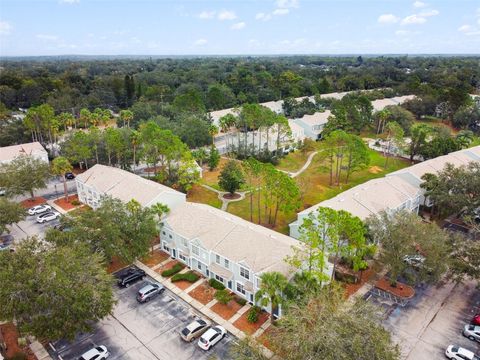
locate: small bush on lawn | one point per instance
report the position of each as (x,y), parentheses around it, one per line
(223,296)
(214,283)
(188,276)
(175,269)
(75,202)
(252,316)
(18,356)
(240,301)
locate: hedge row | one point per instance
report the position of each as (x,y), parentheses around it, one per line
(216,284)
(175,269)
(188,276)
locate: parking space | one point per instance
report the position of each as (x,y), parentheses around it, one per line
(145,331)
(433,320)
(29,227)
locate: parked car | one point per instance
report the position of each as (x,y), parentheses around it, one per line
(211,337)
(132,275)
(2,192)
(475,320)
(97,353)
(6,242)
(459,353)
(472,332)
(415,261)
(194,330)
(39,209)
(69,176)
(49,216)
(149,291)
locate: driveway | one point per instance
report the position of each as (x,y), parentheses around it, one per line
(145,331)
(433,320)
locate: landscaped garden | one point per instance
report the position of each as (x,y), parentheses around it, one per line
(154,258)
(203,293)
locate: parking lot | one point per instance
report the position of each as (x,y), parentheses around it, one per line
(29,227)
(433,320)
(144,331)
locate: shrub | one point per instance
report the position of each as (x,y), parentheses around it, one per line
(175,269)
(240,300)
(75,202)
(216,284)
(223,296)
(252,316)
(188,276)
(18,356)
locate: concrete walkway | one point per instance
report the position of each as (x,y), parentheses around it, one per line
(304,167)
(224,201)
(39,351)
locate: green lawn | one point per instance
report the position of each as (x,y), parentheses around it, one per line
(199,194)
(314,185)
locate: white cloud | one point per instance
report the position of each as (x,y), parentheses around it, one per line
(419,4)
(287,4)
(263,16)
(47,37)
(5,28)
(206,15)
(414,19)
(238,26)
(226,15)
(387,19)
(200,42)
(429,13)
(282,11)
(465,28)
(68,1)
(401,32)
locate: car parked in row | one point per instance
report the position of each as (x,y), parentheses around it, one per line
(475,320)
(472,332)
(149,291)
(6,242)
(97,353)
(459,353)
(194,330)
(46,217)
(211,337)
(39,209)
(69,176)
(130,276)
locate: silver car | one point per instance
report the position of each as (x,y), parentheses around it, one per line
(39,209)
(149,291)
(472,332)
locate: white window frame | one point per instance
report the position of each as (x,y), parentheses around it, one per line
(245,271)
(219,278)
(226,263)
(195,250)
(217,259)
(242,288)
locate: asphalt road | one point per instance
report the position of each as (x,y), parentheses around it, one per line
(147,331)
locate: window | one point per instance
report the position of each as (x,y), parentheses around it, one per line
(184,242)
(170,236)
(164,233)
(227,263)
(217,259)
(244,273)
(199,266)
(182,257)
(195,250)
(240,288)
(219,278)
(166,248)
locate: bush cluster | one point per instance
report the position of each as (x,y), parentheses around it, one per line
(188,276)
(214,283)
(175,269)
(252,316)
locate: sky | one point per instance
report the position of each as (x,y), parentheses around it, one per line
(226,27)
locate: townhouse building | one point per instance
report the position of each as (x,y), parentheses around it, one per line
(33,149)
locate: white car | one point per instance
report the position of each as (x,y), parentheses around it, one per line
(472,332)
(39,209)
(458,353)
(97,353)
(211,337)
(415,261)
(49,216)
(2,192)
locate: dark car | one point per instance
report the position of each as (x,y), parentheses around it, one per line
(130,276)
(69,176)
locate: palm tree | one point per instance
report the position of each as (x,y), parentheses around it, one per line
(464,138)
(213,130)
(126,116)
(271,288)
(134,139)
(159,209)
(60,166)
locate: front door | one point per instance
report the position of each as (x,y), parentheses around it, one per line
(229,285)
(174,253)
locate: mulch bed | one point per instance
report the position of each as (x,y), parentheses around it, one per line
(155,258)
(250,328)
(351,289)
(10,336)
(203,293)
(229,196)
(185,284)
(115,265)
(167,266)
(67,205)
(268,334)
(33,202)
(401,290)
(228,310)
